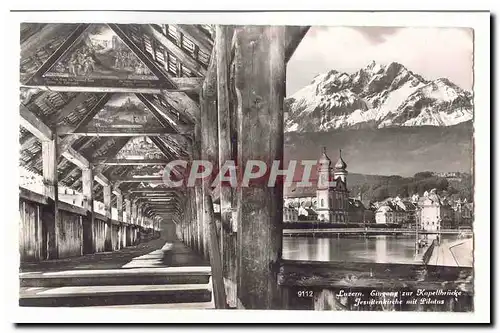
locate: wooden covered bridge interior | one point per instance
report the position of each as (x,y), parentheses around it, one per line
(104,107)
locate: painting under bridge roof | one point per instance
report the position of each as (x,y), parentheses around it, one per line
(95,55)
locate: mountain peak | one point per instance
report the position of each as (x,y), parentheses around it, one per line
(376,96)
(373,66)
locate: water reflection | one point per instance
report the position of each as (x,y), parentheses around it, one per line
(380,249)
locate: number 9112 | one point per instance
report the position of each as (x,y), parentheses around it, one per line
(305,293)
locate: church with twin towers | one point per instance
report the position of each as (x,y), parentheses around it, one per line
(331,193)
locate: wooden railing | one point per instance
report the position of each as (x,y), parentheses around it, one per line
(76,234)
(375,286)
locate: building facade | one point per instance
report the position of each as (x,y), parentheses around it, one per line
(332,196)
(435,212)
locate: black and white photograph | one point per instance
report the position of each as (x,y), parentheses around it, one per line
(223,166)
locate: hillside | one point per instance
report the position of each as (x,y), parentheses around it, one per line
(390,151)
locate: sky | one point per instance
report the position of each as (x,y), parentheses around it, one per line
(431,52)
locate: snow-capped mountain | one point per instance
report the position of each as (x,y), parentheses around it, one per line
(376,96)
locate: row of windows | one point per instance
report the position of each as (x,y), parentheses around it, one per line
(340,199)
(333,217)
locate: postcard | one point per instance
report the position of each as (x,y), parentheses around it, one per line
(204,162)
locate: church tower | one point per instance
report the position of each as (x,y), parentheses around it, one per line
(341,169)
(324,190)
(342,194)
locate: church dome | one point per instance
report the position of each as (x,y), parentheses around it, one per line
(341,164)
(324,159)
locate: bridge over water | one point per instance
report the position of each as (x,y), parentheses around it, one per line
(371,231)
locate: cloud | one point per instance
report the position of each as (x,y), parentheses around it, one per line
(376,35)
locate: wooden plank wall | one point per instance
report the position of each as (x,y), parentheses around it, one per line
(99,232)
(115,230)
(76,234)
(70,235)
(31,240)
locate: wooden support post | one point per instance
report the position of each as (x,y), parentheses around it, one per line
(197,192)
(223,37)
(215,257)
(260,82)
(119,206)
(88,204)
(190,218)
(106,193)
(209,131)
(133,215)
(128,210)
(51,219)
(194,218)
(141,215)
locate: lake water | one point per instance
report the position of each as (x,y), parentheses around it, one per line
(379,249)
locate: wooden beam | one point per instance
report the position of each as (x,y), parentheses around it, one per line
(172,192)
(162,76)
(66,143)
(37,78)
(223,37)
(204,42)
(129,179)
(183,84)
(101,179)
(183,104)
(28,142)
(209,135)
(310,274)
(108,161)
(126,132)
(178,52)
(152,190)
(215,255)
(38,39)
(51,219)
(88,204)
(108,242)
(76,158)
(128,210)
(260,82)
(68,108)
(166,119)
(133,215)
(119,204)
(87,118)
(33,124)
(160,113)
(170,199)
(294,35)
(164,149)
(226,131)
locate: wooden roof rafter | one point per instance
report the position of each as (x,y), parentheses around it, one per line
(204,41)
(87,118)
(36,78)
(181,54)
(166,118)
(44,133)
(119,30)
(165,82)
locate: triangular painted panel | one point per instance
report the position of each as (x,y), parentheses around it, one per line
(98,57)
(140,147)
(123,113)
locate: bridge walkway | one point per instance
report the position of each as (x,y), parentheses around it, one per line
(160,273)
